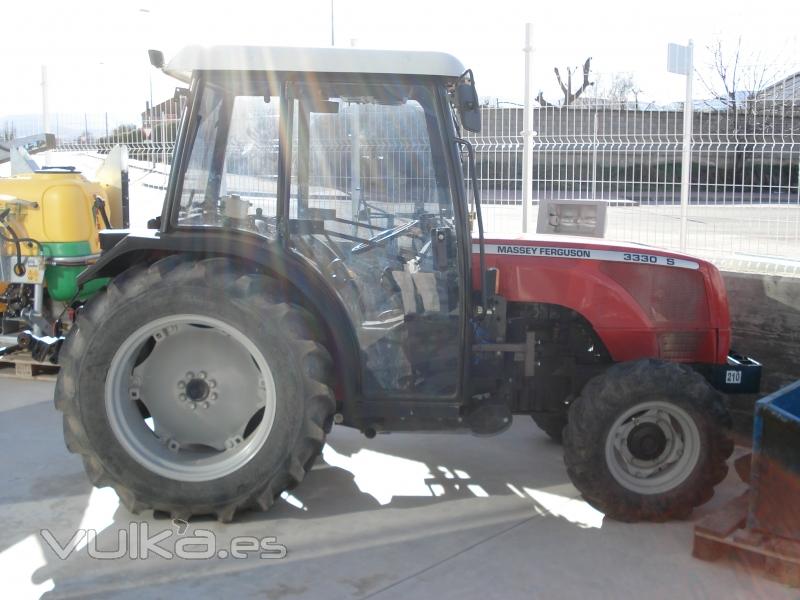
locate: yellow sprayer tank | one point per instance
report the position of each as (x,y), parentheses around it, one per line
(56,208)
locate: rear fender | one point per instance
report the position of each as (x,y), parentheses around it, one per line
(306,285)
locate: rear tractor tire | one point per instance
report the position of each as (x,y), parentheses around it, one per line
(647,441)
(192,387)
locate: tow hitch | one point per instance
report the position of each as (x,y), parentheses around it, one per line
(42,348)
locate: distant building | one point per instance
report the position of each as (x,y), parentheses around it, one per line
(785,92)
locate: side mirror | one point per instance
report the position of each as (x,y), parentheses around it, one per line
(469,107)
(156,58)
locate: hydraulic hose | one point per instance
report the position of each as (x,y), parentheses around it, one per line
(99,208)
(19,268)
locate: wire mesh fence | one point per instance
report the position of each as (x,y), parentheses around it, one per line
(744,193)
(745,174)
(149,135)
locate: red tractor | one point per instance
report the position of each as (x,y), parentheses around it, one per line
(314,264)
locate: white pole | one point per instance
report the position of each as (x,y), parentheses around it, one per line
(686,160)
(527,134)
(151,116)
(45,108)
(355,155)
(594,156)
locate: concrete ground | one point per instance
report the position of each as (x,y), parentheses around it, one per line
(400,516)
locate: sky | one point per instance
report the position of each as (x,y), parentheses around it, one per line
(96,51)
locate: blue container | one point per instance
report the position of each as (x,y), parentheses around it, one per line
(775,472)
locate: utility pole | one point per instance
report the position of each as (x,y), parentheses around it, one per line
(686,160)
(680,60)
(45,107)
(527,134)
(355,158)
(333,38)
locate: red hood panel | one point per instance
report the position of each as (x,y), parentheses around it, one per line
(625,307)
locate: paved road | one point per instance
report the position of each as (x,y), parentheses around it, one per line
(400,516)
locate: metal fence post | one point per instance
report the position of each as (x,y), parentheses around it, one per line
(686,159)
(355,161)
(594,155)
(527,134)
(45,108)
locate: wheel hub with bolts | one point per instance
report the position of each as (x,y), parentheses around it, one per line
(197,390)
(647,441)
(652,447)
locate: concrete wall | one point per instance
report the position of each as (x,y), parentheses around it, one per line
(576,125)
(765,316)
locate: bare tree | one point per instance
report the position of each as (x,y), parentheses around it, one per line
(736,79)
(566,88)
(622,87)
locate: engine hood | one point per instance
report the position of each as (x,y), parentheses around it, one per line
(642,301)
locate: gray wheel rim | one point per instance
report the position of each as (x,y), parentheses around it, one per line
(204,384)
(673,465)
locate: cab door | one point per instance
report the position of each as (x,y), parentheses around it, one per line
(372,206)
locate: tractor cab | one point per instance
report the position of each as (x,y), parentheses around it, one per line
(345,164)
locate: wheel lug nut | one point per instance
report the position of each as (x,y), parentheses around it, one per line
(202,374)
(182,397)
(181,385)
(206,404)
(214,396)
(193,406)
(190,375)
(212,383)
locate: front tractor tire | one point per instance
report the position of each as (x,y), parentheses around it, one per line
(647,441)
(192,387)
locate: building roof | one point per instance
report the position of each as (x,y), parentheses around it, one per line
(785,90)
(324,60)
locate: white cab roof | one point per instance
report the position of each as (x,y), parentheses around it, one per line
(324,60)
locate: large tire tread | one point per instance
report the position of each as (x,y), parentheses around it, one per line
(296,325)
(614,391)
